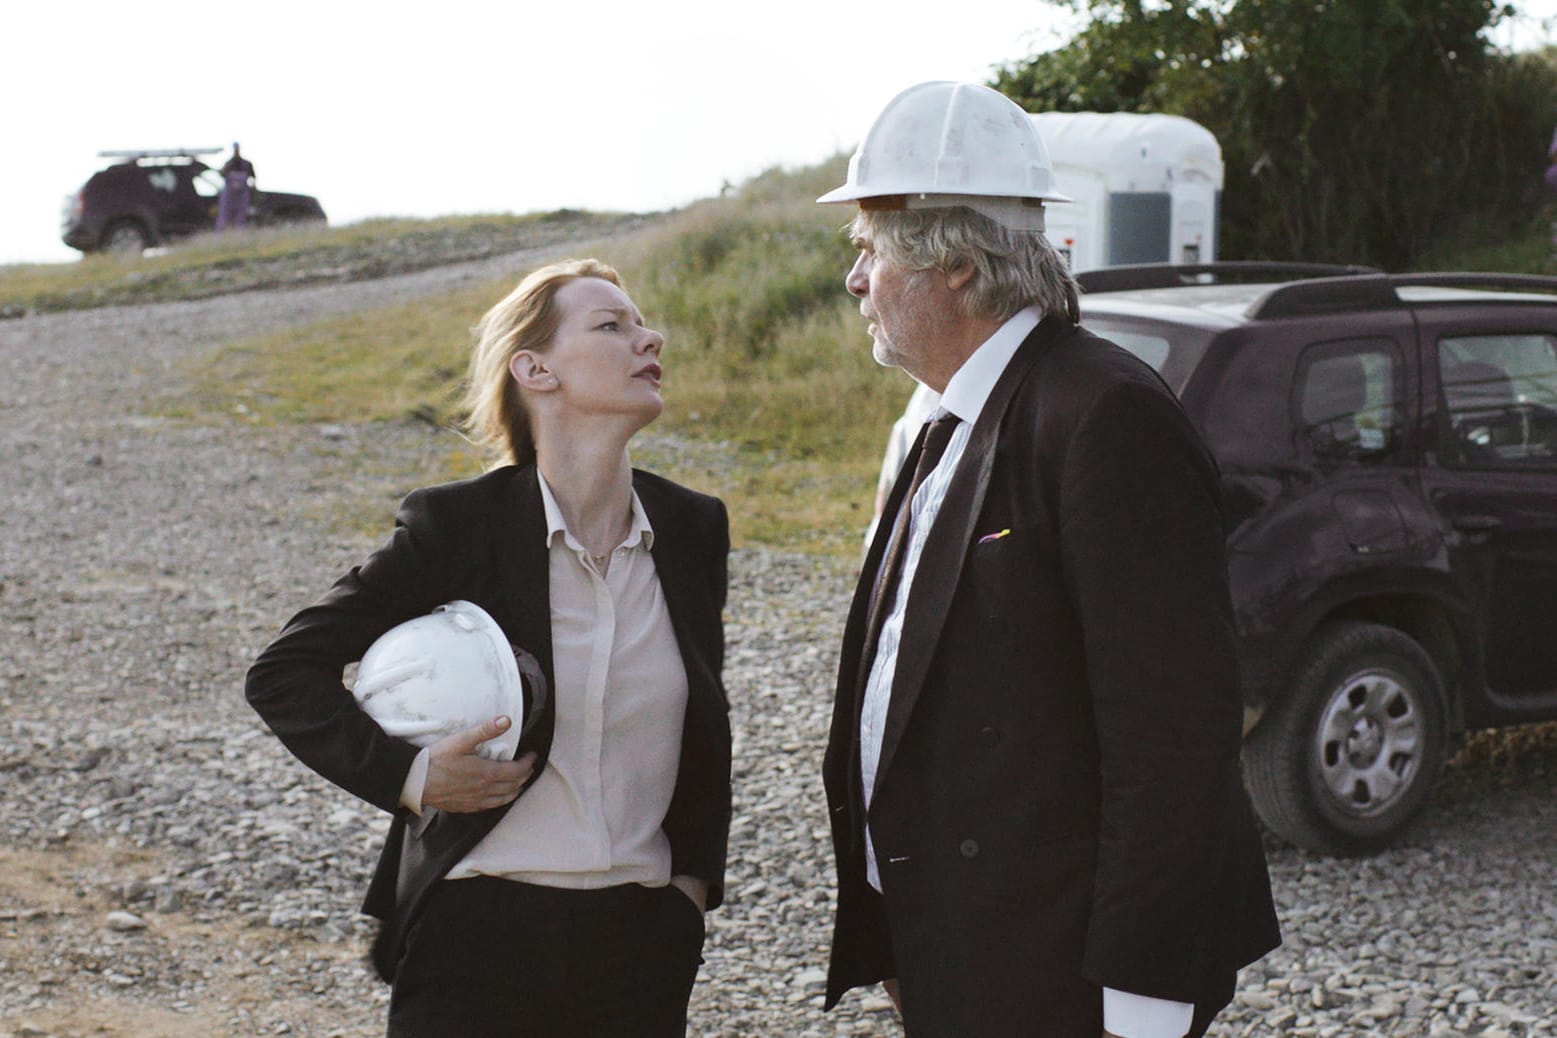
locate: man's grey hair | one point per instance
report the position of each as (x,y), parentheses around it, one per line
(1011,269)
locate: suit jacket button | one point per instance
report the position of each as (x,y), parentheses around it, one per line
(969,848)
(988,736)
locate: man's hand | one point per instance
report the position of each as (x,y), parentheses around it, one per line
(460,781)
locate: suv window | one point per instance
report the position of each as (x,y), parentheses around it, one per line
(1153,349)
(208,183)
(1498,401)
(1173,350)
(162,178)
(1348,400)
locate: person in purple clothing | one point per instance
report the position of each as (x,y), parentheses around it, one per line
(232,210)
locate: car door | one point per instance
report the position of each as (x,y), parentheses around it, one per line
(1314,435)
(1314,442)
(186,210)
(1492,396)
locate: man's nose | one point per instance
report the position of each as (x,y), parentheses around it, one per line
(858,279)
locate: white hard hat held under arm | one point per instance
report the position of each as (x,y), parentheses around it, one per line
(446,672)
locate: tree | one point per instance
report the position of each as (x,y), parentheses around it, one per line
(1351,130)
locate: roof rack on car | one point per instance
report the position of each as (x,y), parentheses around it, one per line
(1477,279)
(1373,291)
(1377,291)
(1175,275)
(158,153)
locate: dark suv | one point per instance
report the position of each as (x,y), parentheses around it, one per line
(1388,446)
(153,197)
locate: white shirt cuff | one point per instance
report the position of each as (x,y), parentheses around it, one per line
(415,782)
(1140,1016)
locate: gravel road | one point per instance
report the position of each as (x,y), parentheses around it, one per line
(167,870)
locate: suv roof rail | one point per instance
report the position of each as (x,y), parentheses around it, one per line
(1176,275)
(1477,279)
(158,153)
(1370,291)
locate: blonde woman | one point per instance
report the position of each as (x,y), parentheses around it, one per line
(562,892)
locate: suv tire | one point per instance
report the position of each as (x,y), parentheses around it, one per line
(126,238)
(1350,756)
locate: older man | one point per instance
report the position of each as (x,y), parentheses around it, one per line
(1033,765)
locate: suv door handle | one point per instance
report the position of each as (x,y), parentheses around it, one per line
(1476,523)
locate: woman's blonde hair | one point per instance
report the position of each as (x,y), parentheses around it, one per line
(526,319)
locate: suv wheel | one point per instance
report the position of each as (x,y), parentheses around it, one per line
(126,238)
(1344,763)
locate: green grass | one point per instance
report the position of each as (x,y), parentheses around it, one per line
(772,399)
(388,364)
(767,353)
(207,264)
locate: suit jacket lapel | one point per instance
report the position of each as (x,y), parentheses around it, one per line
(522,606)
(946,546)
(842,758)
(678,576)
(525,569)
(875,556)
(870,569)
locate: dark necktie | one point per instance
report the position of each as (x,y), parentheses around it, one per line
(936,438)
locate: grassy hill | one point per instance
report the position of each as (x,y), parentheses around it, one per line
(211,264)
(772,399)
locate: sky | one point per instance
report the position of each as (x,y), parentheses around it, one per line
(469,106)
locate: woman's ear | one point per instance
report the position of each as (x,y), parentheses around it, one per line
(531,373)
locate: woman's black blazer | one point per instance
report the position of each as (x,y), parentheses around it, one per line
(484,540)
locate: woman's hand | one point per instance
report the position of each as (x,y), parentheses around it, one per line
(695,889)
(460,781)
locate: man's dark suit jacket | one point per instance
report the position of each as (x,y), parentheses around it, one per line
(1058,806)
(484,540)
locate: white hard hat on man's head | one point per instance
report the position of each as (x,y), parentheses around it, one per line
(943,144)
(448,671)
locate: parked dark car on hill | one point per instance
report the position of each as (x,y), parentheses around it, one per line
(1388,446)
(153,197)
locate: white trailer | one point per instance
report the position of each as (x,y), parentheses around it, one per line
(1147,188)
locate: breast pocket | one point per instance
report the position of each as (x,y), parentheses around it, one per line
(1009,569)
